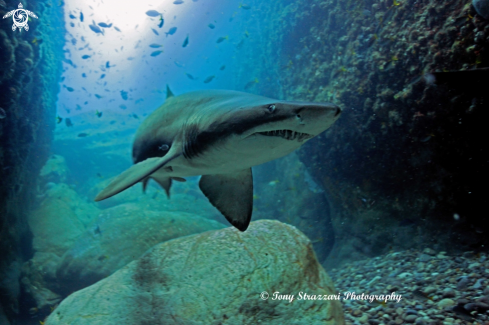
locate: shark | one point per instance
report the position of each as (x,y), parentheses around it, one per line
(219,135)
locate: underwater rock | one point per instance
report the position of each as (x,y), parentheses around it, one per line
(210,278)
(38,274)
(119,236)
(55,170)
(482,7)
(3,317)
(60,220)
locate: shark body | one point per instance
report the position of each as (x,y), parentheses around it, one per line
(220,134)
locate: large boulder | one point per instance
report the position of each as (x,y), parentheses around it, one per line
(212,278)
(120,235)
(60,219)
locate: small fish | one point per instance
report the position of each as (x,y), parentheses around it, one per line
(72,25)
(189,76)
(155,46)
(70,89)
(156,53)
(177,2)
(222,67)
(178,64)
(221,39)
(209,79)
(81,16)
(246,34)
(135,116)
(78,107)
(105,25)
(171,31)
(98,114)
(102,76)
(155,31)
(124,94)
(98,96)
(3,4)
(59,119)
(153,13)
(130,58)
(245,7)
(82,135)
(84,75)
(97,230)
(72,16)
(123,106)
(211,26)
(185,43)
(3,114)
(162,21)
(68,122)
(96,29)
(117,29)
(107,65)
(86,56)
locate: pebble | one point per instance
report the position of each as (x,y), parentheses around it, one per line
(429,290)
(447,302)
(482,306)
(410,318)
(478,284)
(474,265)
(448,293)
(429,251)
(462,283)
(425,257)
(446,282)
(356,313)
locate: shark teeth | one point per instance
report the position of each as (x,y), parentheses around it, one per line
(287,134)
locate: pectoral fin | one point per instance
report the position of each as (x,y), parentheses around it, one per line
(133,175)
(232,195)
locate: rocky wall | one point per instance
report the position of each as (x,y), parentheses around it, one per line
(404,167)
(30,67)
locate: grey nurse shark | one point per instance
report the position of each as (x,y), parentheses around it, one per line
(219,134)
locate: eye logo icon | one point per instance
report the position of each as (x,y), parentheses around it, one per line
(20,17)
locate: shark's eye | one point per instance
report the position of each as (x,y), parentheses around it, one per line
(164,147)
(271,108)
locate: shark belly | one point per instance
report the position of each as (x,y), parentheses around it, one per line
(231,156)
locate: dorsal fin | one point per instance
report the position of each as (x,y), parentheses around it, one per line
(169,93)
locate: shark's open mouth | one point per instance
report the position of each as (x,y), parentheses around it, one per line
(287,134)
